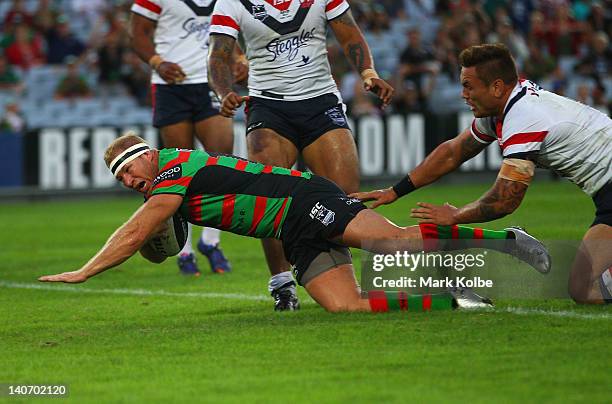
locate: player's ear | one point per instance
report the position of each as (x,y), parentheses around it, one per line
(498,87)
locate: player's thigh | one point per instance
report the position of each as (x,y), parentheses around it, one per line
(593,257)
(178,134)
(334,155)
(337,290)
(371,231)
(216,134)
(267,146)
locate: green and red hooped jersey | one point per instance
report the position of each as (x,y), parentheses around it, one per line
(228,192)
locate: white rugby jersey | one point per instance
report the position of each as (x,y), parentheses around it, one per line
(568,137)
(181,34)
(286,44)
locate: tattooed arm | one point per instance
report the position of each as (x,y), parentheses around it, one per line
(220,56)
(358,53)
(499,201)
(445,158)
(220,76)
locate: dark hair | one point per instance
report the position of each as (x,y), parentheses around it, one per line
(492,61)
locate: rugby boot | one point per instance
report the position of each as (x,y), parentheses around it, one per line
(285,297)
(218,263)
(529,249)
(187,265)
(466,298)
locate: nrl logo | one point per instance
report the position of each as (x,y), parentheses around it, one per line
(306,3)
(259,12)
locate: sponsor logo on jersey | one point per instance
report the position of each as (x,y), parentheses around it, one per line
(305,61)
(336,115)
(322,214)
(172,173)
(289,47)
(259,12)
(200,29)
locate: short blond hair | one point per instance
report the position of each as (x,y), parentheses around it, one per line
(128,139)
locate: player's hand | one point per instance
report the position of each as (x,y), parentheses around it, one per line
(441,215)
(171,72)
(230,103)
(66,277)
(380,197)
(381,88)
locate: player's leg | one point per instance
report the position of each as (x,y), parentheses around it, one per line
(216,134)
(590,280)
(268,147)
(334,156)
(372,231)
(336,290)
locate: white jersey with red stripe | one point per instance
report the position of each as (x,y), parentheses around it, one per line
(285,44)
(181,34)
(566,136)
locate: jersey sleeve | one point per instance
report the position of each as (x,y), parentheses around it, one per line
(150,9)
(225,19)
(177,169)
(335,8)
(523,130)
(482,130)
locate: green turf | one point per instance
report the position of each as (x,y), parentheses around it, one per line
(190,347)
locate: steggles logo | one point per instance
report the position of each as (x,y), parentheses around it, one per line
(289,46)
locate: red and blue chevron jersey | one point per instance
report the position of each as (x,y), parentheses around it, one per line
(227,192)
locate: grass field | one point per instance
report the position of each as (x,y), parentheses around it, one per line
(141,332)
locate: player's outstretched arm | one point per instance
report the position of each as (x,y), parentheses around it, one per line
(220,76)
(502,199)
(126,240)
(357,51)
(445,158)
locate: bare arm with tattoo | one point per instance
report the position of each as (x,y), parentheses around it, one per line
(445,158)
(220,75)
(358,53)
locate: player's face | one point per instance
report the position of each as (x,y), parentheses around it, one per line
(138,174)
(477,95)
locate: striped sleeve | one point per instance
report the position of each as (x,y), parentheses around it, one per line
(523,130)
(150,9)
(225,19)
(481,131)
(335,8)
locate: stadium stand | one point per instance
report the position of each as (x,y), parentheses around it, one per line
(573,35)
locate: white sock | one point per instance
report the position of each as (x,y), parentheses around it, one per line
(188,249)
(210,236)
(278,280)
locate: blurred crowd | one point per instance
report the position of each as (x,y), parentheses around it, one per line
(562,45)
(83,44)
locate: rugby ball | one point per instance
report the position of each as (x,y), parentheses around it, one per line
(170,240)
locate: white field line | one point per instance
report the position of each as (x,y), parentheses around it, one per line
(558,313)
(131,292)
(240,296)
